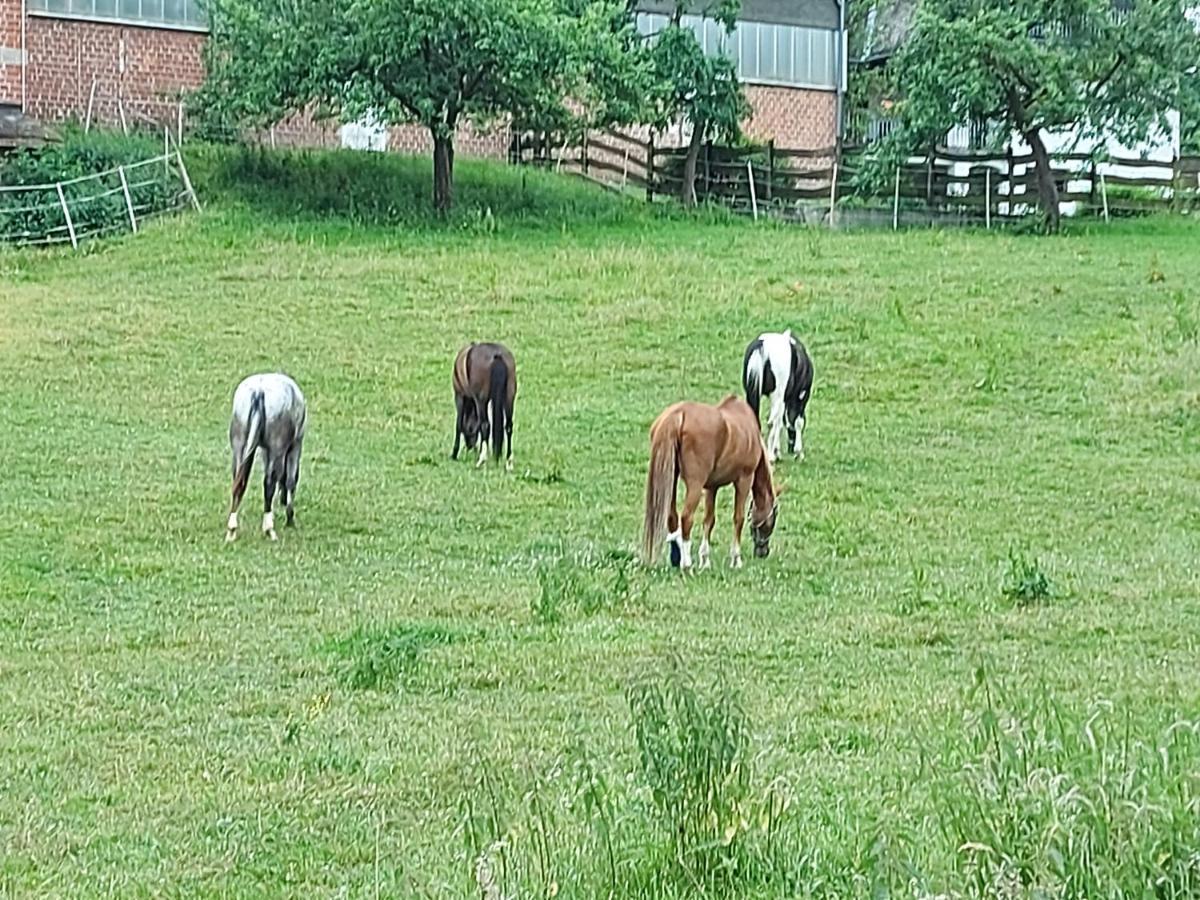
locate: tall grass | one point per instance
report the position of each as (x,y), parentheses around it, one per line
(1046,801)
(394,189)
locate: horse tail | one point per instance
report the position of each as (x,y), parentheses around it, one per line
(256,420)
(660,481)
(498,391)
(752,375)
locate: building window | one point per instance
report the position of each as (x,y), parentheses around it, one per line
(172,13)
(793,55)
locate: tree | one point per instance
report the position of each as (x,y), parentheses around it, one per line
(1033,66)
(439,63)
(699,89)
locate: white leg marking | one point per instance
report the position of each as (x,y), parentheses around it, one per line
(269,525)
(775,420)
(231,533)
(482,454)
(800,439)
(508,464)
(685,554)
(735,557)
(703,559)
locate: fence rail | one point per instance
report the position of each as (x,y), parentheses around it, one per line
(115,200)
(786,181)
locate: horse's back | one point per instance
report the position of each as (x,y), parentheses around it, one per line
(473,366)
(281,396)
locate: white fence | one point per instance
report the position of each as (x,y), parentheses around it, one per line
(116,200)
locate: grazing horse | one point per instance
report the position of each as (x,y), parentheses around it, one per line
(484,374)
(778,366)
(708,447)
(268,412)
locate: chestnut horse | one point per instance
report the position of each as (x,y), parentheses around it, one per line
(484,374)
(708,447)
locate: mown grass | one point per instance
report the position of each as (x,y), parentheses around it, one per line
(967,668)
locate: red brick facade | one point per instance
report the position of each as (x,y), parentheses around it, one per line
(141,73)
(10,51)
(796,118)
(138,72)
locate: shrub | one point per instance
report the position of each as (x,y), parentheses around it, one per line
(1027,584)
(31,215)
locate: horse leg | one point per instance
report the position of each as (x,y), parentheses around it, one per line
(775,420)
(270,481)
(485,431)
(691,500)
(673,548)
(240,479)
(710,519)
(291,477)
(458,425)
(508,433)
(741,490)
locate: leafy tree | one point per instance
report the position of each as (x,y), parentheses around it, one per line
(1034,66)
(702,90)
(439,63)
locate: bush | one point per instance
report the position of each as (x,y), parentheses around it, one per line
(30,216)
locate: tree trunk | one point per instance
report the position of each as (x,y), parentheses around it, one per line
(443,173)
(1047,189)
(687,192)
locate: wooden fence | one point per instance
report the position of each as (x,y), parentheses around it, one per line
(815,184)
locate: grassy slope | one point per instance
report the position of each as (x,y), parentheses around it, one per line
(161,727)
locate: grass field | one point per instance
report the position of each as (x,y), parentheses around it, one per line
(440,678)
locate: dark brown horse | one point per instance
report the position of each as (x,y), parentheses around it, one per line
(484,374)
(708,447)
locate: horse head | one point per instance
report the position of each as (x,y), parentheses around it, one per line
(763,524)
(470,426)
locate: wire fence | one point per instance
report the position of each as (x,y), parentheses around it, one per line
(121,199)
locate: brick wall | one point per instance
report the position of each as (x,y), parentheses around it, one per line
(10,51)
(140,71)
(794,117)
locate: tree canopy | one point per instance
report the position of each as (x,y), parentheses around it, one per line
(1036,66)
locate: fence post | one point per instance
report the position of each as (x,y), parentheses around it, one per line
(625,170)
(833,193)
(753,195)
(929,179)
(87,120)
(179,127)
(987,200)
(1104,196)
(187,182)
(62,199)
(128,199)
(770,167)
(896,203)
(650,168)
(1011,175)
(585,155)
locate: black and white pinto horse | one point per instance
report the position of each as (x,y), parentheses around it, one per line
(268,413)
(778,366)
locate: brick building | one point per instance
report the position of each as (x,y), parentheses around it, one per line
(130,61)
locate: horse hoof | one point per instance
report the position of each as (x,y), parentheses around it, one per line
(271,535)
(508,466)
(735,563)
(676,556)
(230,536)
